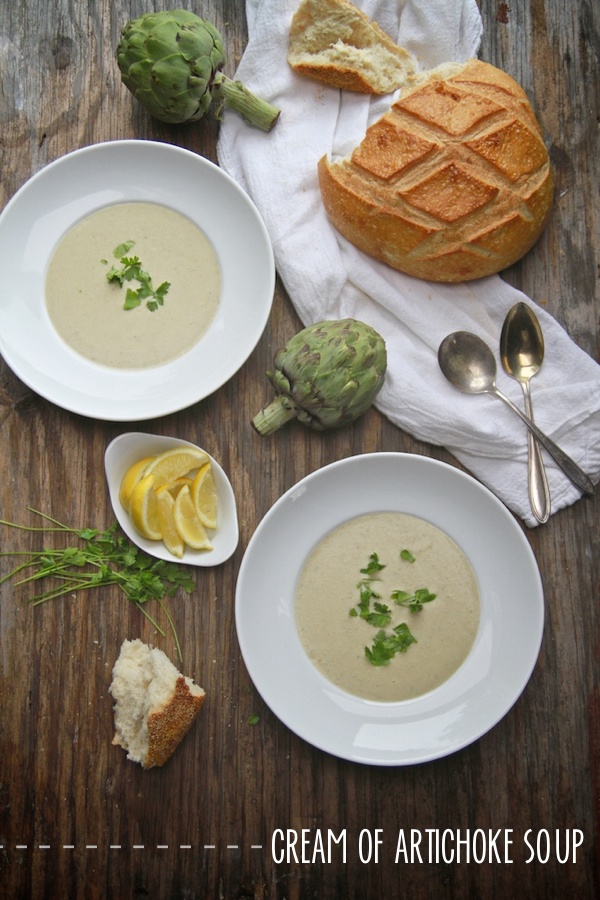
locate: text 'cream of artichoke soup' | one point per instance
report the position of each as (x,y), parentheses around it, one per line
(369,582)
(87,310)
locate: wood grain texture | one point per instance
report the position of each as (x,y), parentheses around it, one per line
(232,784)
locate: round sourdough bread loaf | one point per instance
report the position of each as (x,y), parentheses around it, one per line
(452,183)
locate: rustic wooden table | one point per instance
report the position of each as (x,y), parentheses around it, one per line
(67,797)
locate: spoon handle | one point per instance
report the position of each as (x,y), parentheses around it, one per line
(569,466)
(537,481)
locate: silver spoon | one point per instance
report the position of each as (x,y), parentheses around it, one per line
(522,354)
(469,364)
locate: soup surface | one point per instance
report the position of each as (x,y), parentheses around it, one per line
(328,589)
(87,310)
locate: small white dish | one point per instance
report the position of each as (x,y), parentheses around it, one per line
(126,449)
(505,650)
(72,187)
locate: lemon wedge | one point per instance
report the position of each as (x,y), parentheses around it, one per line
(131,478)
(189,526)
(204,496)
(173,487)
(175,463)
(143,509)
(166,520)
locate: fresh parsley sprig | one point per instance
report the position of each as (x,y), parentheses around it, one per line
(385,646)
(367,592)
(413,601)
(131,270)
(373,565)
(103,558)
(379,616)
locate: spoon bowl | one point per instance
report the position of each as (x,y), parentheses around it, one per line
(469,364)
(522,354)
(125,450)
(521,343)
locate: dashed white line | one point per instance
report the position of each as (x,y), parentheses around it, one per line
(134,846)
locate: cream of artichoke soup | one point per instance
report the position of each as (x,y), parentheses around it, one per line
(172,292)
(387,606)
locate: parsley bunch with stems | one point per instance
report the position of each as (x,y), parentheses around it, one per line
(102,558)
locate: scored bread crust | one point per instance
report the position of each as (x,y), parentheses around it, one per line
(452,183)
(335,43)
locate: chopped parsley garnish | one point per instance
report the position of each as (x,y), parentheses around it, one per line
(367,593)
(413,601)
(380,615)
(373,565)
(372,610)
(386,645)
(131,270)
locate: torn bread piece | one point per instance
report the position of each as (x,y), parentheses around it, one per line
(334,42)
(154,704)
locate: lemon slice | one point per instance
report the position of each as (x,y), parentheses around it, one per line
(204,496)
(131,478)
(189,526)
(166,521)
(175,463)
(143,509)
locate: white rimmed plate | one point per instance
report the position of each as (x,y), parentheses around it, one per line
(83,181)
(505,650)
(124,451)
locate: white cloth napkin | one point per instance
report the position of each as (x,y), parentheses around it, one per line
(326,277)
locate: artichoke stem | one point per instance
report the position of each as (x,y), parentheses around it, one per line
(236,96)
(274,415)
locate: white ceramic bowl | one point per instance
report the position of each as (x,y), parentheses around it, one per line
(505,650)
(72,187)
(125,450)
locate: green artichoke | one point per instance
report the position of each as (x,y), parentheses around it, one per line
(171,62)
(327,376)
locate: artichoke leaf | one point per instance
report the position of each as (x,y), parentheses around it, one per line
(169,79)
